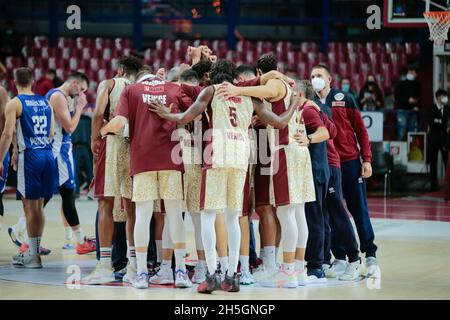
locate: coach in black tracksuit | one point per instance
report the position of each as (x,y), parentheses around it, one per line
(351,132)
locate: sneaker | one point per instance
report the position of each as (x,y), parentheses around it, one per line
(281,279)
(68,246)
(182,279)
(336,269)
(316,276)
(25,260)
(246,278)
(141,281)
(153,268)
(373,270)
(199,273)
(212,283)
(100,275)
(351,272)
(230,284)
(119,274)
(302,278)
(14,236)
(87,247)
(130,276)
(42,251)
(262,273)
(164,276)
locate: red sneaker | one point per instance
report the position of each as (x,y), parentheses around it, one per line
(42,251)
(87,247)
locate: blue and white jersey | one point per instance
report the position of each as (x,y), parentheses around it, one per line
(34,124)
(61,136)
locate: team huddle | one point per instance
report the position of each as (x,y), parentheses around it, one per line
(214,140)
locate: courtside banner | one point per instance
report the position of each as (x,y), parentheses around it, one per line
(374,125)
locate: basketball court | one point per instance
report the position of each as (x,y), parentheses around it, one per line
(410,234)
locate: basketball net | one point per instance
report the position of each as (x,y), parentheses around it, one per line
(439,23)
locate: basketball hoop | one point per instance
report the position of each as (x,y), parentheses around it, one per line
(439,23)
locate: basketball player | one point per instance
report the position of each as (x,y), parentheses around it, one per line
(112,179)
(155,174)
(32,118)
(291,182)
(61,100)
(224,166)
(4,98)
(351,132)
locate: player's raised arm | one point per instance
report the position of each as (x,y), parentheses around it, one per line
(59,104)
(271,90)
(197,108)
(12,111)
(274,74)
(267,116)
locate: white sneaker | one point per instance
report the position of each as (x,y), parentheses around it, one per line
(14,236)
(281,279)
(26,260)
(302,278)
(336,269)
(373,270)
(102,274)
(141,281)
(68,244)
(351,272)
(263,273)
(163,276)
(182,279)
(246,278)
(199,273)
(130,276)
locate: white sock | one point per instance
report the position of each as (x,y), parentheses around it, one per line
(244,263)
(34,245)
(132,257)
(234,240)
(144,212)
(201,263)
(261,253)
(289,267)
(223,264)
(166,264)
(179,259)
(21,224)
(269,257)
(79,234)
(105,256)
(158,250)
(69,233)
(141,259)
(208,219)
(299,265)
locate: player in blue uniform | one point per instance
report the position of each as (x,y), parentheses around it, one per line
(32,117)
(3,100)
(61,100)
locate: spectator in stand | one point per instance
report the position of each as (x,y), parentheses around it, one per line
(438,134)
(45,83)
(389,100)
(407,98)
(346,86)
(447,172)
(370,97)
(10,41)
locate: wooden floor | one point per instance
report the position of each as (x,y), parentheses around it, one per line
(414,255)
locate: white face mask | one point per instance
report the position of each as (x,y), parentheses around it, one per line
(444,100)
(410,77)
(318,84)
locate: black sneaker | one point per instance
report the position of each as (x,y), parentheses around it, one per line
(316,276)
(211,283)
(230,284)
